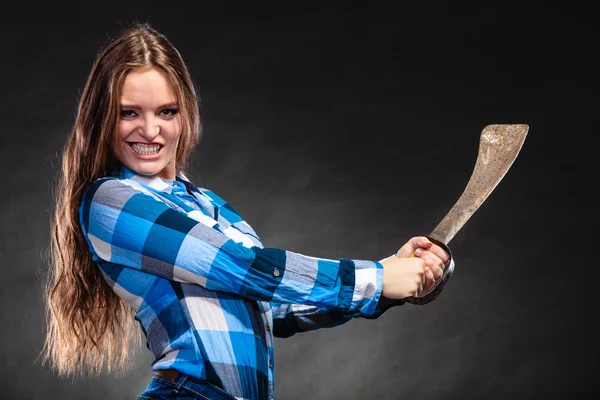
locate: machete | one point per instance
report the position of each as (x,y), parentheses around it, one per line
(499,146)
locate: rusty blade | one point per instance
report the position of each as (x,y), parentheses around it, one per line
(499,146)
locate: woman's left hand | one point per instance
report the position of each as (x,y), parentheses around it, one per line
(435,257)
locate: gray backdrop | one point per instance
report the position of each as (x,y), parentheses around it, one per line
(342,132)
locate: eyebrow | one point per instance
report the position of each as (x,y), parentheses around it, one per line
(136,107)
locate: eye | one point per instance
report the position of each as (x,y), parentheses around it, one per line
(127,113)
(170,112)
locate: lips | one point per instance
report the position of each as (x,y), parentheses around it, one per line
(145,144)
(145,149)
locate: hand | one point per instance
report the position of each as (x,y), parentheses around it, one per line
(403,277)
(435,257)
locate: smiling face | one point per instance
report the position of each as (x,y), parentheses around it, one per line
(149,124)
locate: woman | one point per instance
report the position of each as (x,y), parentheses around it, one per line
(134,239)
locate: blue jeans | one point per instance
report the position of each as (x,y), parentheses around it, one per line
(183,388)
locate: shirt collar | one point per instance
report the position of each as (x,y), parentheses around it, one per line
(155,182)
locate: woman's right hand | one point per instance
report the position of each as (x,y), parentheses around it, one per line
(403,277)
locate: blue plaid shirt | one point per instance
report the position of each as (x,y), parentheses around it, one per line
(208,296)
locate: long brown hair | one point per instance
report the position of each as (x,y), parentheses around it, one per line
(89,327)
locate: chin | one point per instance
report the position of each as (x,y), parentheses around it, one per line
(146,170)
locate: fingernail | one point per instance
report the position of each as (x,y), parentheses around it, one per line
(418,252)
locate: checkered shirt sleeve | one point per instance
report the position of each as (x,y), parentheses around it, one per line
(128,225)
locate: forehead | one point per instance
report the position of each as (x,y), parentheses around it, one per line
(146,87)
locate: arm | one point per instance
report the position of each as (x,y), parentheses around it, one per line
(127,225)
(289,319)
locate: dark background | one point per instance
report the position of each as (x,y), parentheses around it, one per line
(342,132)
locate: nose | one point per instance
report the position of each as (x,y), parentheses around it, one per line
(150,129)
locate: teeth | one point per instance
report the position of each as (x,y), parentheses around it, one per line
(145,148)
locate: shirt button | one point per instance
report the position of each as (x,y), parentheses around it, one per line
(268,328)
(276,272)
(270,364)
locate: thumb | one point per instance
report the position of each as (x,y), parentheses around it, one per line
(413,244)
(421,241)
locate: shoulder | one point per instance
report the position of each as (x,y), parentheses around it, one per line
(110,194)
(110,188)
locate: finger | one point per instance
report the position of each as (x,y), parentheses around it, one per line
(430,279)
(434,264)
(437,272)
(425,276)
(435,251)
(419,288)
(419,251)
(420,280)
(420,241)
(440,253)
(413,244)
(432,259)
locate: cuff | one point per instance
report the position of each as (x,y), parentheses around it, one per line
(383,305)
(367,288)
